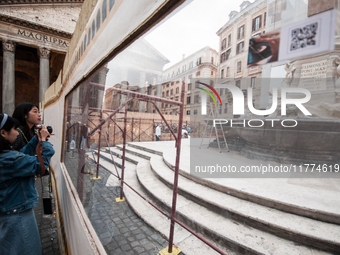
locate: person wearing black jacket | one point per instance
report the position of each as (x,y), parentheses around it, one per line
(28,116)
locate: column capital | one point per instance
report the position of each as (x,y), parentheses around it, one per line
(8,45)
(44,53)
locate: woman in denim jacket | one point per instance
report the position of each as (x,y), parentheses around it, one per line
(18,228)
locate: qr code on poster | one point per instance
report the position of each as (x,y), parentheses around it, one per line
(303,37)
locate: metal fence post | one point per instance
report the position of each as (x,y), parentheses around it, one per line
(132,129)
(100,136)
(178,154)
(123,160)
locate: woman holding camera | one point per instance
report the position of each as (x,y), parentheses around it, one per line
(18,228)
(28,115)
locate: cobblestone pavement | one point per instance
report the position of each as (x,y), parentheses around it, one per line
(46,223)
(119,229)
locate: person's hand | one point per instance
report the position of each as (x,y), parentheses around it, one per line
(43,133)
(273,39)
(49,135)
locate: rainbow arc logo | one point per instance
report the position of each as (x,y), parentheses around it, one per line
(211,88)
(204,98)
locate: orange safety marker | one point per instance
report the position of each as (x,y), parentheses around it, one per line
(175,251)
(120,200)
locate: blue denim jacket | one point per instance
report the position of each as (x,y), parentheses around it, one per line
(17,181)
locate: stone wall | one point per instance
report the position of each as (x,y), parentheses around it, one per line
(317,6)
(63,17)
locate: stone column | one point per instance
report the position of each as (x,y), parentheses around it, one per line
(76,97)
(159,90)
(44,75)
(142,89)
(8,77)
(124,86)
(123,74)
(102,80)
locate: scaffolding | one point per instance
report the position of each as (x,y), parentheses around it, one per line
(98,128)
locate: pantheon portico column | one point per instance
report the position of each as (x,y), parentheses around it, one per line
(142,89)
(44,75)
(8,77)
(159,90)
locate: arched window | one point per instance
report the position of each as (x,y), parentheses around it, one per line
(98,20)
(85,43)
(112,3)
(93,28)
(81,48)
(89,37)
(104,12)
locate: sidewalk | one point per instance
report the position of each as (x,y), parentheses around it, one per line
(120,230)
(46,223)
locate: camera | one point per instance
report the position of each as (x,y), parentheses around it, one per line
(49,128)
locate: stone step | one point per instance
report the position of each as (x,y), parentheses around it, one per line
(308,232)
(293,227)
(235,235)
(144,148)
(293,199)
(106,161)
(272,202)
(117,152)
(106,156)
(189,244)
(137,152)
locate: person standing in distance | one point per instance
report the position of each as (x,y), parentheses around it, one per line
(18,195)
(184,133)
(158,132)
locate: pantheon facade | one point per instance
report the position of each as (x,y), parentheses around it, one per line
(35,36)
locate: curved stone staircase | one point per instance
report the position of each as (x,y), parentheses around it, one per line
(235,220)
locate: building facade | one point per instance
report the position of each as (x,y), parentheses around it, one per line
(35,37)
(264,16)
(139,69)
(234,37)
(201,65)
(317,73)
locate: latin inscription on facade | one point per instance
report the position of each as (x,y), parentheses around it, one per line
(313,76)
(42,38)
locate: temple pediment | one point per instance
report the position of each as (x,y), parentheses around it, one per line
(62,17)
(20,2)
(33,34)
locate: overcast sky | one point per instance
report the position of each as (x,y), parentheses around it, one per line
(192,28)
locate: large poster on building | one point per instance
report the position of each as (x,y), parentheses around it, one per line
(310,36)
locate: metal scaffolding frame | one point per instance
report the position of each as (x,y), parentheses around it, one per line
(152,99)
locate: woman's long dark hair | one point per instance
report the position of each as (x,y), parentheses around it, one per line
(10,123)
(19,113)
